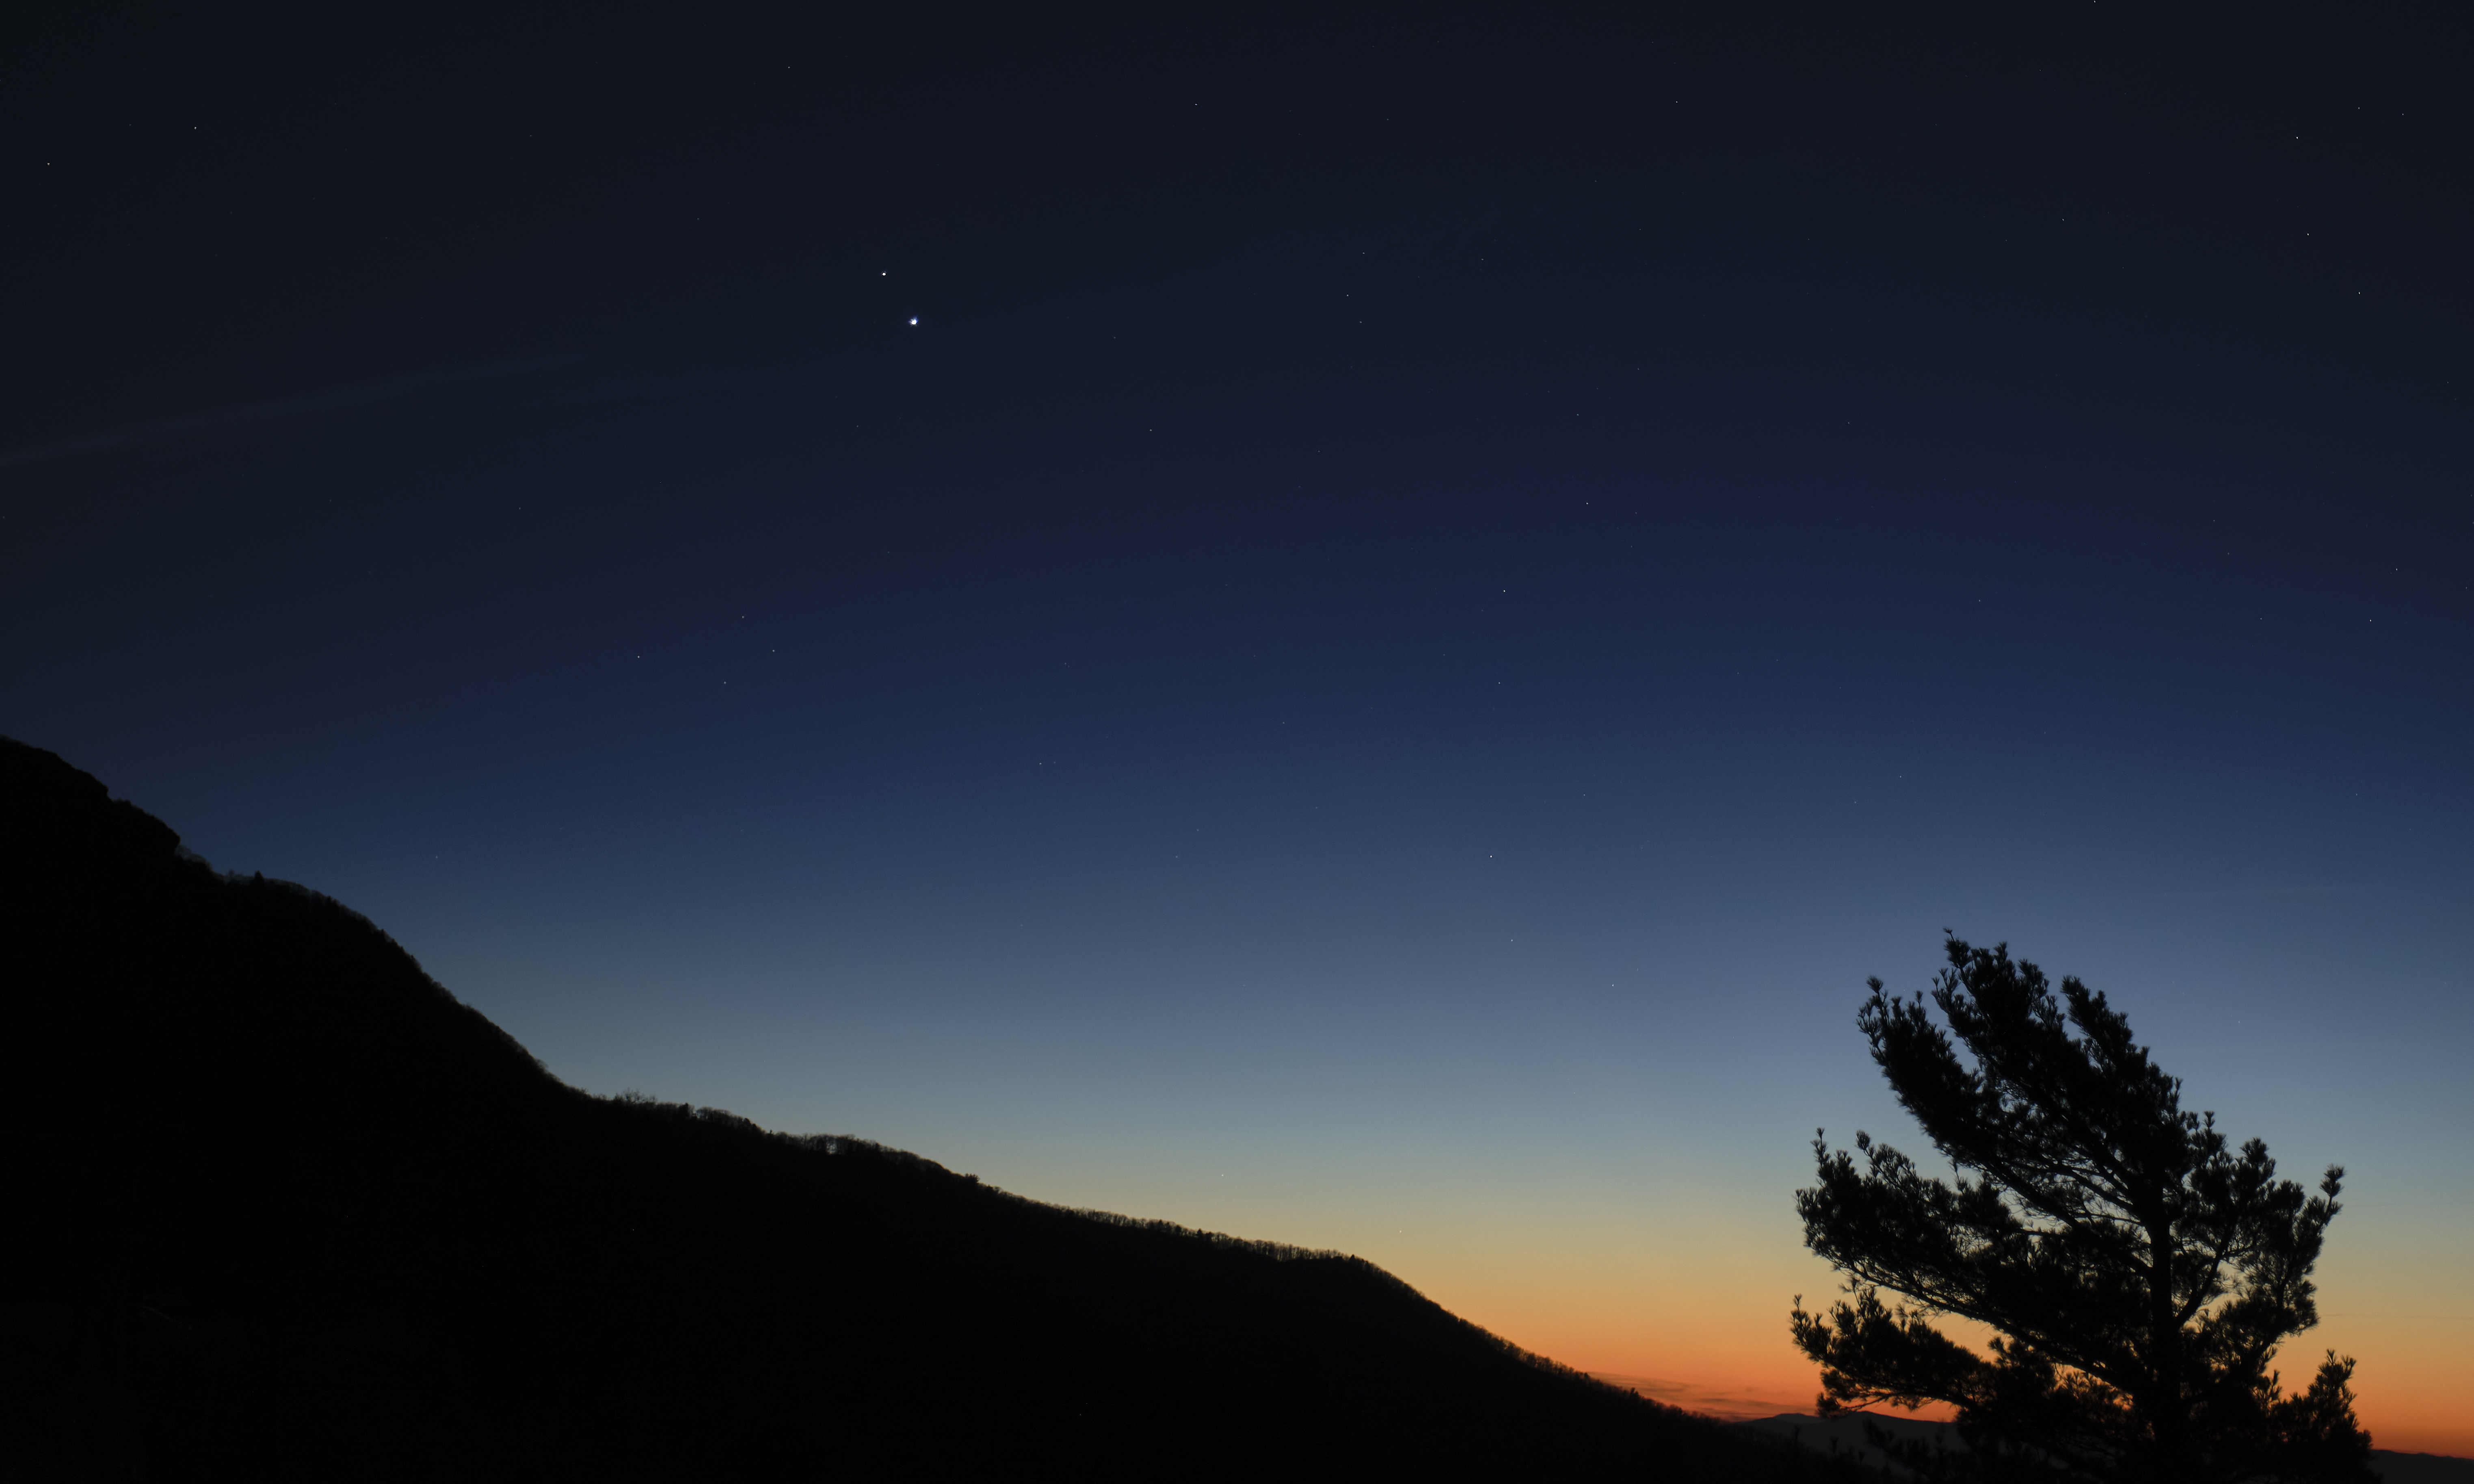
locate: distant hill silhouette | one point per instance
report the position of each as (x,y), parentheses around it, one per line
(1843,1437)
(280,1207)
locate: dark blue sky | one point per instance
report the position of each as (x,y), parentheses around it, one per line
(1426,598)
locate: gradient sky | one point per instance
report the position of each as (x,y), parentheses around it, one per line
(1426,596)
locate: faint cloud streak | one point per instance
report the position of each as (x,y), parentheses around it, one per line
(1727,1405)
(278,409)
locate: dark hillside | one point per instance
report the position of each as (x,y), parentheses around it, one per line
(1844,1436)
(281,1206)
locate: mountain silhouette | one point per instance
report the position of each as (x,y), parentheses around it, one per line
(281,1206)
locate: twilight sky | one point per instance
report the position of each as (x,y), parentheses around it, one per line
(1348,626)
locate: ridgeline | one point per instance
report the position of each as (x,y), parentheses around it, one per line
(281,1206)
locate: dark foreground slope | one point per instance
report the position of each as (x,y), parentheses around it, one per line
(279,1205)
(1845,1436)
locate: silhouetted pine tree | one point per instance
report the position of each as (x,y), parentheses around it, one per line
(2139,1272)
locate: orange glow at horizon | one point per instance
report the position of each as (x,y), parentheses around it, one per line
(1720,1346)
(2410,1389)
(1673,1272)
